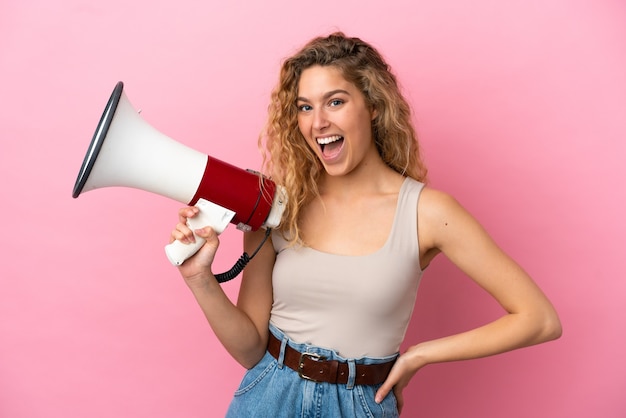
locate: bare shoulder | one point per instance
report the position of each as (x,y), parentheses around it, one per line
(437,209)
(432,208)
(435,202)
(442,220)
(447,227)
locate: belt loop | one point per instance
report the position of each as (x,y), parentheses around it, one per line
(351,374)
(281,355)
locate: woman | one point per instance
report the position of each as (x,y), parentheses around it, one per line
(322,312)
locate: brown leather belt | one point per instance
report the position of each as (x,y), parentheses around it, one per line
(312,366)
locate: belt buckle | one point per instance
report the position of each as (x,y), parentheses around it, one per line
(303,357)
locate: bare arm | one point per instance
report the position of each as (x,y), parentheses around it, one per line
(445,226)
(241,328)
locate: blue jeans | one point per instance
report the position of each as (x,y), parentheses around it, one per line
(271,389)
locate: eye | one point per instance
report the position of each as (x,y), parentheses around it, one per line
(335,102)
(304,108)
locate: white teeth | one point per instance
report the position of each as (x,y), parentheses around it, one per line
(328,140)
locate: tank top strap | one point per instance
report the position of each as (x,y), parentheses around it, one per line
(403,235)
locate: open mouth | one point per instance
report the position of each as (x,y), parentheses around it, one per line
(330,145)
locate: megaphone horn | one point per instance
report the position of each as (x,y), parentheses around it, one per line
(126,151)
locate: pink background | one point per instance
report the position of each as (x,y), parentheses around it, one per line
(521,110)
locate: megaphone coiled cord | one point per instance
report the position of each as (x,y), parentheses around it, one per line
(242,262)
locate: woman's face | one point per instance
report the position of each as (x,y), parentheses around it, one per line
(335,120)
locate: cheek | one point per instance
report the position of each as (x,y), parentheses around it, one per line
(302,126)
(367,124)
(305,130)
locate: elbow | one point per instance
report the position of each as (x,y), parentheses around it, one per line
(554,329)
(551,328)
(540,327)
(250,358)
(249,363)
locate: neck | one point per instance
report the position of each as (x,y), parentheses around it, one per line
(366,180)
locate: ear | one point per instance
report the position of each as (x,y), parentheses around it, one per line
(374,113)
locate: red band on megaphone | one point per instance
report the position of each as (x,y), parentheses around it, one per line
(247,194)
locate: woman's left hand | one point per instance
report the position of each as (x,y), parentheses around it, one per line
(399,377)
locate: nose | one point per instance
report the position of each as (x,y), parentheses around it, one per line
(320,120)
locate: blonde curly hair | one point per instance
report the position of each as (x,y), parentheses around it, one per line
(287,158)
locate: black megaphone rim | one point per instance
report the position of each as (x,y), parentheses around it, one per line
(98,139)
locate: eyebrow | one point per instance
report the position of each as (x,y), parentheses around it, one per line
(325,96)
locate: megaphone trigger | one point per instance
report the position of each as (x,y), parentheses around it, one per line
(210,214)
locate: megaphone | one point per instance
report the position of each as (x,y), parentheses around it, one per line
(126,151)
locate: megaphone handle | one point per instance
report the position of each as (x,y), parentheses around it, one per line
(209,214)
(177,252)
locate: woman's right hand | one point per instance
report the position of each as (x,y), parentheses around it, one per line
(196,270)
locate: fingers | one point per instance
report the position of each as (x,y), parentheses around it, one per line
(203,258)
(187,212)
(207,233)
(196,269)
(396,381)
(182,232)
(399,400)
(383,391)
(185,235)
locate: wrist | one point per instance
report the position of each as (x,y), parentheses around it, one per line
(416,357)
(201,282)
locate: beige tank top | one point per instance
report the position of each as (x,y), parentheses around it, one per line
(359,306)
